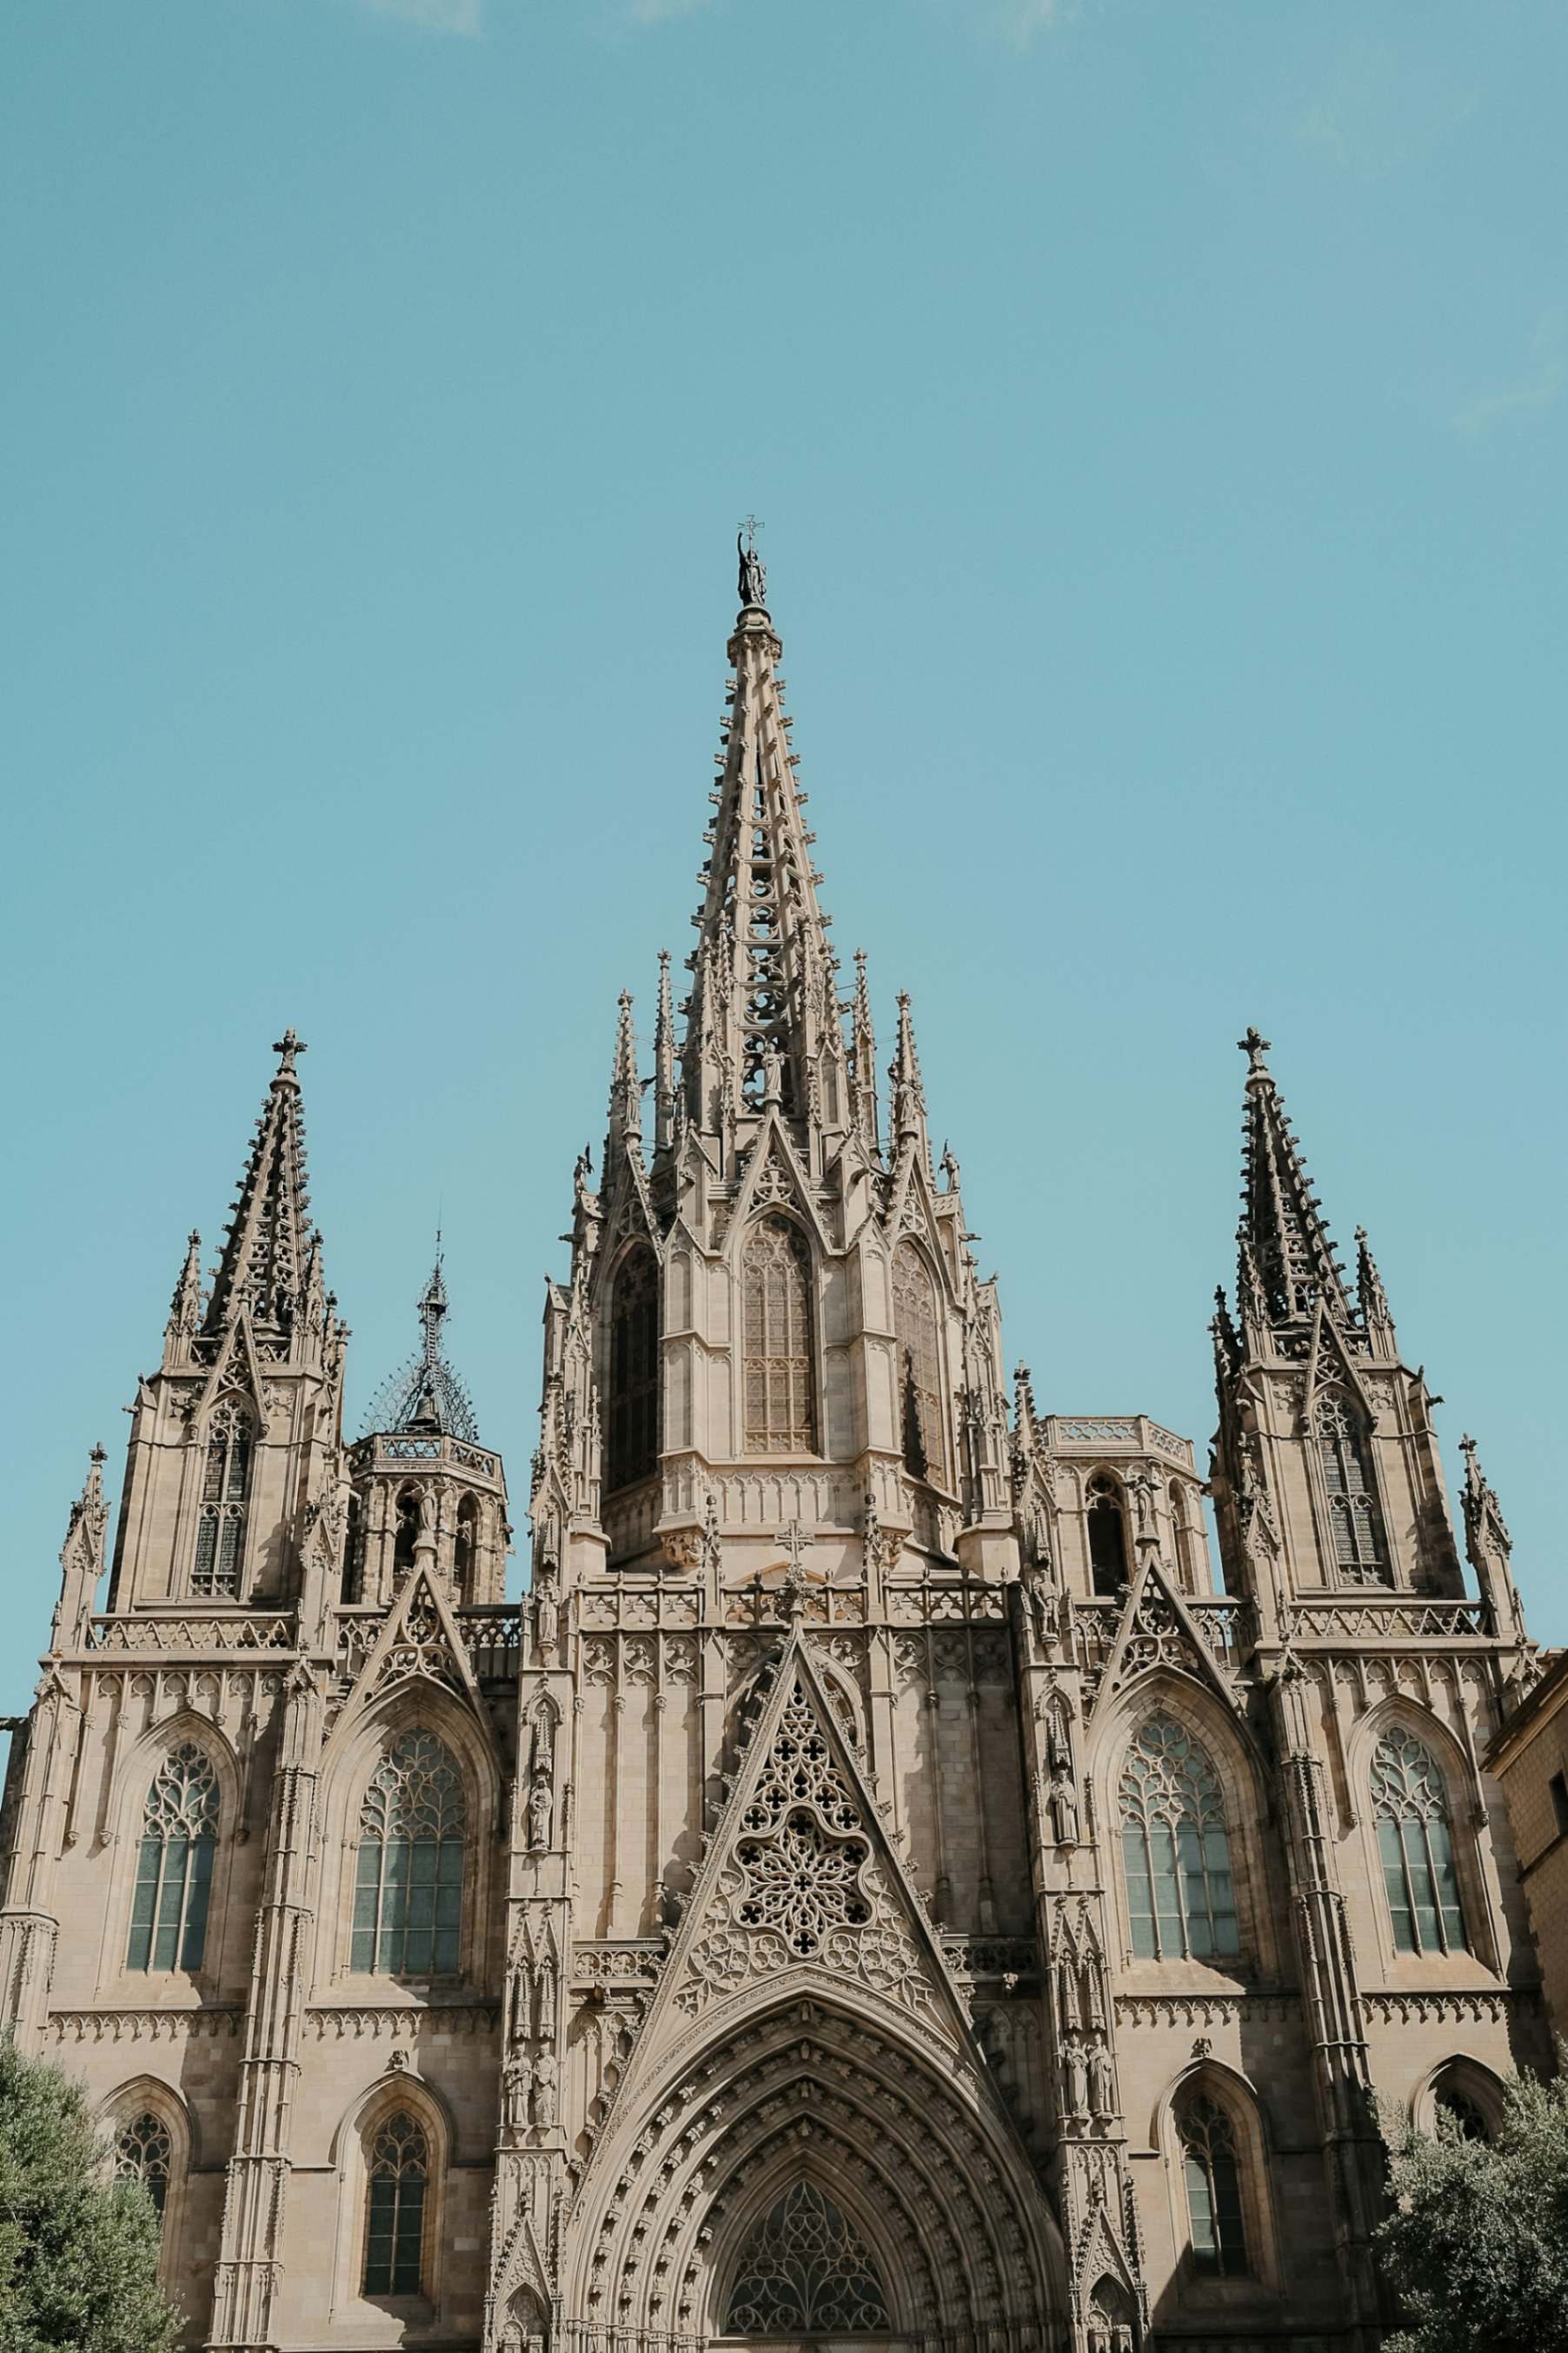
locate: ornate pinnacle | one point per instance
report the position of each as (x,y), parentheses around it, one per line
(1254,1045)
(433,1309)
(288,1045)
(1371,1296)
(904,1070)
(626,1087)
(1287,1261)
(663,1059)
(262,1261)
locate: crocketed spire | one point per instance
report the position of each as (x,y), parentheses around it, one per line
(263,1262)
(1286,1261)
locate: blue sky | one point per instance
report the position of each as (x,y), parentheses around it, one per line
(1158,418)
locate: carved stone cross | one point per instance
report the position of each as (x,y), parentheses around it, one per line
(794,1537)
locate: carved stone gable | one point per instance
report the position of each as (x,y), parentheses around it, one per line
(420,1639)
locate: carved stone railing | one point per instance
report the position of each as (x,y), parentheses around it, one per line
(243,1630)
(1070,1433)
(1227,1626)
(494,1637)
(396,1449)
(1386,1617)
(934,1602)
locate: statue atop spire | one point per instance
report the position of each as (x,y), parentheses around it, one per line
(751,586)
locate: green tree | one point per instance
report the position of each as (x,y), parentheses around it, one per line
(1475,2245)
(78,2253)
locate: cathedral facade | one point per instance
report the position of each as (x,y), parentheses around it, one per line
(882,1885)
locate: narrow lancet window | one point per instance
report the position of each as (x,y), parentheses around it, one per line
(175,1868)
(1174,1849)
(632,1434)
(1416,1845)
(466,1545)
(1107,1534)
(921,1404)
(394,2218)
(226,1485)
(144,2152)
(408,1892)
(1214,2190)
(1356,1523)
(780,1404)
(405,1532)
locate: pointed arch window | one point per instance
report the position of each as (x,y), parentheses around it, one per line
(1107,1534)
(144,2152)
(408,1890)
(1213,2174)
(1175,1851)
(775,1278)
(921,1404)
(405,1531)
(632,1434)
(1354,1520)
(1416,1841)
(466,1545)
(805,2270)
(353,1552)
(399,2174)
(174,1867)
(226,1487)
(1465,2118)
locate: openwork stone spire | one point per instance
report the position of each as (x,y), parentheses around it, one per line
(1286,1263)
(425,1395)
(263,1261)
(764,993)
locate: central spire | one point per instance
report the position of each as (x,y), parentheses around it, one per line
(763,1010)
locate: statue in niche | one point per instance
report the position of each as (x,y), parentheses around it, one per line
(546,1609)
(540,1809)
(1075,2077)
(546,2087)
(516,2077)
(1064,1810)
(1101,2082)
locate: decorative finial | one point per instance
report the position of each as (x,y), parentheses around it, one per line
(752,582)
(288,1045)
(99,1455)
(433,1308)
(1254,1045)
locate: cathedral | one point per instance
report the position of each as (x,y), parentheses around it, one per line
(884,1885)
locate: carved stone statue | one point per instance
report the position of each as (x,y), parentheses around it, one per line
(546,2087)
(546,1609)
(540,1809)
(1077,2080)
(516,2077)
(1064,1810)
(1101,2082)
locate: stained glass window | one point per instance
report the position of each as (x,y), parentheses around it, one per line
(144,2152)
(395,2221)
(174,1867)
(780,1408)
(1416,1845)
(1174,1850)
(1357,1526)
(409,1896)
(1214,2189)
(921,1404)
(632,1436)
(220,1527)
(1107,1534)
(805,2270)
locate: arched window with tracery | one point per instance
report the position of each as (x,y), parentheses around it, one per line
(1356,1523)
(1175,1851)
(922,1405)
(1459,2115)
(1416,1841)
(408,1889)
(398,2171)
(1213,2173)
(405,1531)
(806,2271)
(174,1867)
(631,1436)
(1107,1517)
(226,1487)
(776,1277)
(144,2152)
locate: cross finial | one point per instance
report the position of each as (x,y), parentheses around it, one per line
(795,1537)
(288,1045)
(1254,1045)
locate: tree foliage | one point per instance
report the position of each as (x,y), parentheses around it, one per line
(78,2252)
(1475,2245)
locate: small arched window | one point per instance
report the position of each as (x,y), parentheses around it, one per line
(408,1891)
(1415,1842)
(1175,1852)
(921,1404)
(399,2171)
(1213,2176)
(174,1869)
(466,1545)
(1107,1534)
(144,2152)
(406,1533)
(1459,2114)
(780,1406)
(806,2271)
(226,1487)
(631,1441)
(1356,1523)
